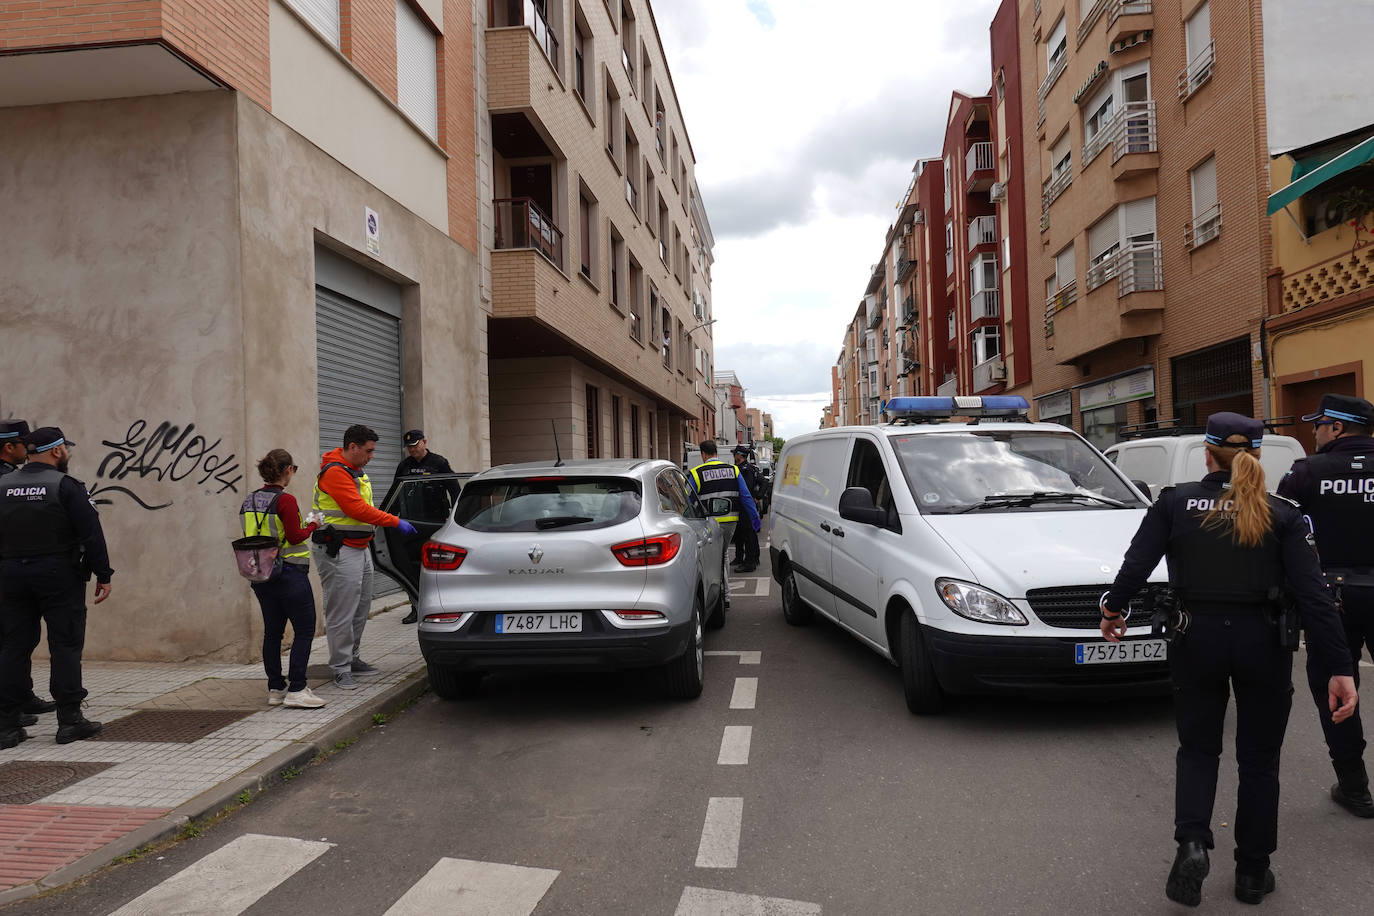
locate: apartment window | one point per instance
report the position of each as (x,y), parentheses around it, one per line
(617,450)
(634,431)
(1063,270)
(593,422)
(987,344)
(684,353)
(587,222)
(323,15)
(654,310)
(417,70)
(663,231)
(611,111)
(1206,223)
(650,195)
(1096,116)
(983,273)
(1057,45)
(635,275)
(1061,156)
(627,41)
(583,54)
(1104,240)
(666,345)
(1124,241)
(1198,49)
(646,71)
(660,117)
(614,268)
(949,196)
(677,161)
(632,166)
(677,254)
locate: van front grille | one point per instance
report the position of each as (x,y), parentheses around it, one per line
(1074,607)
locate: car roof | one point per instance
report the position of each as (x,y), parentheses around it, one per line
(1194,438)
(582,467)
(955,426)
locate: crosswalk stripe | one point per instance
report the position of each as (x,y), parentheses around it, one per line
(229,880)
(719,847)
(734,745)
(746,693)
(699,901)
(462,887)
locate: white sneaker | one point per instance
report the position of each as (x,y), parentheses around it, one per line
(304,698)
(275,697)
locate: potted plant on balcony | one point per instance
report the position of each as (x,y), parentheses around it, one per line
(1352,205)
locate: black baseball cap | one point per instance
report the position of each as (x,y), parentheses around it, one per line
(413,436)
(741,450)
(46,438)
(1343,407)
(13,430)
(1222,426)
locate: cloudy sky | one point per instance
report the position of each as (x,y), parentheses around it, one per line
(806,117)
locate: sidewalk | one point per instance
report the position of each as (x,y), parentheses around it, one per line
(180,742)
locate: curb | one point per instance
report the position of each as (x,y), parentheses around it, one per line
(255,779)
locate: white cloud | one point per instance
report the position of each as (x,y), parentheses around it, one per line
(805,117)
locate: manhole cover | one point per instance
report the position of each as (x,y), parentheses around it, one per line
(23,782)
(171,726)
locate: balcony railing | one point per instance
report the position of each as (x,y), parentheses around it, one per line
(909,311)
(905,263)
(1128,8)
(982,230)
(1130,130)
(979,158)
(988,373)
(1198,71)
(1137,267)
(875,313)
(1057,67)
(949,387)
(542,33)
(1203,228)
(1058,184)
(1066,296)
(1090,19)
(521,224)
(983,304)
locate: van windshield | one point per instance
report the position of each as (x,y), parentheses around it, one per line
(1008,471)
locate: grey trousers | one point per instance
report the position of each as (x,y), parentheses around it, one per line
(346,581)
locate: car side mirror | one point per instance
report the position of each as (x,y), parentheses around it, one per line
(717,506)
(856,505)
(1144,487)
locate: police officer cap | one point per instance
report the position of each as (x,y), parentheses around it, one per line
(413,437)
(46,438)
(1222,426)
(741,450)
(12,430)
(1343,407)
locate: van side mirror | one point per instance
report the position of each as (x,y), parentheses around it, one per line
(1144,487)
(856,505)
(717,506)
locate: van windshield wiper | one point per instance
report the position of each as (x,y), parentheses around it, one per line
(559,521)
(1001,500)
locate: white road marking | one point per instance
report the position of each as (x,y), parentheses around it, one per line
(750,587)
(745,658)
(698,901)
(719,846)
(734,745)
(229,880)
(462,887)
(746,693)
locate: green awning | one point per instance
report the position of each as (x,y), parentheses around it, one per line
(1350,159)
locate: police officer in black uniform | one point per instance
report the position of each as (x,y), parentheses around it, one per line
(746,538)
(50,540)
(1231,548)
(1335,487)
(421,462)
(13,453)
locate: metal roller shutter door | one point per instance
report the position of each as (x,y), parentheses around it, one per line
(359,352)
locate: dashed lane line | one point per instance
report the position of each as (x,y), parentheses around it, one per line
(734,745)
(719,847)
(745,658)
(746,693)
(699,901)
(463,887)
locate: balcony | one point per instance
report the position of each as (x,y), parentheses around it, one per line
(875,311)
(1058,184)
(908,311)
(1203,228)
(983,304)
(982,230)
(1129,17)
(905,264)
(506,15)
(1139,274)
(1198,72)
(1131,134)
(980,167)
(1064,297)
(1090,18)
(953,329)
(521,224)
(949,387)
(988,373)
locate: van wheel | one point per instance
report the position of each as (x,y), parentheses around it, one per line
(923,694)
(454,685)
(716,619)
(794,610)
(682,677)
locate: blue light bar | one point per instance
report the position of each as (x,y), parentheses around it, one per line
(928,408)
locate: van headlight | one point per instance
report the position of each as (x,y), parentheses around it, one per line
(977,603)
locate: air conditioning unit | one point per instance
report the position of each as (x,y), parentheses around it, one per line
(998,371)
(998,191)
(919,218)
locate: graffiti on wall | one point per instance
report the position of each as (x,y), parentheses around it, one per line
(168,453)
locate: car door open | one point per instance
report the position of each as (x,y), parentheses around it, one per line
(427,503)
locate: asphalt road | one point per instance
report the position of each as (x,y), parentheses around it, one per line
(847,802)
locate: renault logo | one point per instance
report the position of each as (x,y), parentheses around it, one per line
(536,554)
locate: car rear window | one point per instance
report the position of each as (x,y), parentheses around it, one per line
(547,503)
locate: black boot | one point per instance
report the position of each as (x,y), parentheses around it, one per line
(10,736)
(36,705)
(76,728)
(413,616)
(1352,790)
(1186,877)
(26,719)
(1251,888)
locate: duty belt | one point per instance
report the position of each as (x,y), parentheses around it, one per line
(1353,577)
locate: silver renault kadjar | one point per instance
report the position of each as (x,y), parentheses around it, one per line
(592,564)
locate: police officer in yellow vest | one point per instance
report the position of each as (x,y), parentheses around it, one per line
(343,493)
(714,479)
(287,596)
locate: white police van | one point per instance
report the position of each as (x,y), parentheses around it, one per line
(966,545)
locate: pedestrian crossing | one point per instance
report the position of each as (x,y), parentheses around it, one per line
(233,878)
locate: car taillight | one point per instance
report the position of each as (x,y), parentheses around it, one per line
(435,555)
(648,551)
(444,617)
(639,615)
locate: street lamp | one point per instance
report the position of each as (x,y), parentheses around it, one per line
(702,325)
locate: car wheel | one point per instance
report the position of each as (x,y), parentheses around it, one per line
(716,618)
(794,610)
(923,694)
(683,675)
(454,685)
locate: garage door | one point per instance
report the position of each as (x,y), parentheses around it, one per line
(359,351)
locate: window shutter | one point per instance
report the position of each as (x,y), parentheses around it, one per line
(417,80)
(1139,218)
(1057,36)
(1204,187)
(1063,267)
(1102,236)
(322,14)
(1198,30)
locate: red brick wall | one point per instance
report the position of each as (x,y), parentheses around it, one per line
(457,127)
(60,23)
(368,38)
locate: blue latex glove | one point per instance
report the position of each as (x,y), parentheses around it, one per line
(758,525)
(406,527)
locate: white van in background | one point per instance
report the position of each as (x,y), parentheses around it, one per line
(1166,459)
(970,552)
